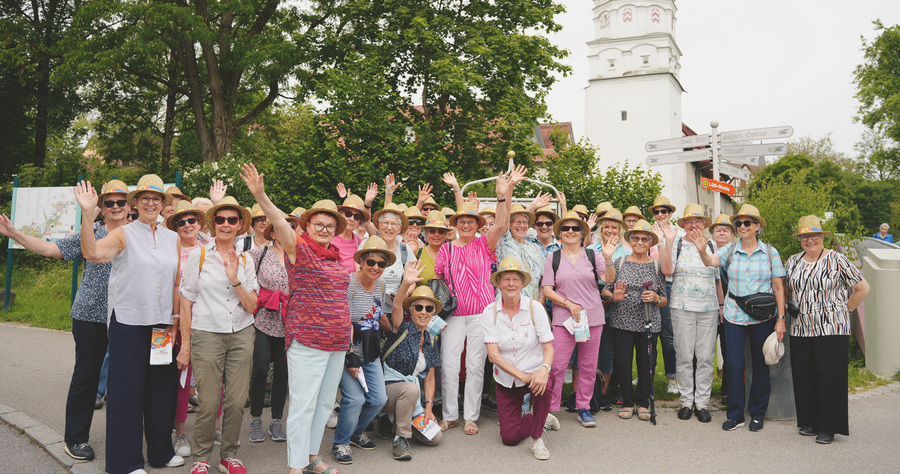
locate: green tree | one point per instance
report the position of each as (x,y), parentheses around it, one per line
(878,81)
(16,128)
(873,200)
(879,156)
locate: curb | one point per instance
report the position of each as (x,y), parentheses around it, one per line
(49,440)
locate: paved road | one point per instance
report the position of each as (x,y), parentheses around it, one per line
(37,365)
(19,454)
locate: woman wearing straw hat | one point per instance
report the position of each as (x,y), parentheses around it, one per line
(316,322)
(258,224)
(490,215)
(88,312)
(544,218)
(513,244)
(436,230)
(465,263)
(142,284)
(412,235)
(603,208)
(572,287)
(662,210)
(694,307)
(392,223)
(638,280)
(218,299)
(820,281)
(177,197)
(520,345)
(411,356)
(753,267)
(722,231)
(269,328)
(357,215)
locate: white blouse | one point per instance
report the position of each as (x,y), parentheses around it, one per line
(518,340)
(217,307)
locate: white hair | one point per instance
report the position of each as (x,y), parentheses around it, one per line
(390,214)
(884,225)
(201,200)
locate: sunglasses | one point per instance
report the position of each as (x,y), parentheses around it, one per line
(110,204)
(353,215)
(233,220)
(427,308)
(437,231)
(372,262)
(133,217)
(635,238)
(746,223)
(189,220)
(543,224)
(257,220)
(416,222)
(657,212)
(292,224)
(572,228)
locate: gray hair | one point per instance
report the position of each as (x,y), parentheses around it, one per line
(390,214)
(201,200)
(884,225)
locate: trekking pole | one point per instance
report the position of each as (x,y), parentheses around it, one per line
(647,320)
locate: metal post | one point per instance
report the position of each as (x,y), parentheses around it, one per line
(75,263)
(9,256)
(178,179)
(714,144)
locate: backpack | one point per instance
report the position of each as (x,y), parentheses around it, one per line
(557,257)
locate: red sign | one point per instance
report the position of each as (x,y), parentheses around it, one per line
(717,186)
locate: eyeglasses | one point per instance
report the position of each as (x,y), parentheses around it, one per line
(330,228)
(416,222)
(746,223)
(631,221)
(372,262)
(570,228)
(810,236)
(390,224)
(433,230)
(660,211)
(257,220)
(233,220)
(110,204)
(148,199)
(635,238)
(427,308)
(353,215)
(543,224)
(189,220)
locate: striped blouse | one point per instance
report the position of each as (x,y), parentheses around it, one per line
(821,290)
(470,275)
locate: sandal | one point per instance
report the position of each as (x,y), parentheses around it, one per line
(643,414)
(626,413)
(471,427)
(311,467)
(446,425)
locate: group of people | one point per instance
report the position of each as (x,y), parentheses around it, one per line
(339,300)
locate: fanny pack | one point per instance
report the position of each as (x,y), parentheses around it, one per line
(759,306)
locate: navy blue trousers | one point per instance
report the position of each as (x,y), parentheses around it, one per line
(760,388)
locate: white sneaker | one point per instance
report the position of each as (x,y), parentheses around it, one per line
(138,471)
(672,386)
(540,451)
(176,461)
(552,424)
(332,420)
(182,446)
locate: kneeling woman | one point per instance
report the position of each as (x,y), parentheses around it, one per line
(411,355)
(520,344)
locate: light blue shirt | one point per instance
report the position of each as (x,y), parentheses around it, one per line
(748,274)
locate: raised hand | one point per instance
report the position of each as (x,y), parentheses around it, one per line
(371,193)
(592,221)
(217,191)
(450,180)
(561,197)
(695,236)
(231,265)
(390,184)
(473,198)
(619,291)
(609,247)
(342,190)
(86,196)
(667,230)
(425,191)
(541,200)
(503,184)
(518,174)
(412,272)
(253,179)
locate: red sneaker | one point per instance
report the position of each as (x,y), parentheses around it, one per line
(200,468)
(232,466)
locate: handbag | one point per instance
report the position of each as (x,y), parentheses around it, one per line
(759,306)
(442,291)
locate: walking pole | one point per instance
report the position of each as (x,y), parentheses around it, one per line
(649,352)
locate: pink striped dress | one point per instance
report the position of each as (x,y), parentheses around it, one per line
(470,268)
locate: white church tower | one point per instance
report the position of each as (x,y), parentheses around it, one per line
(634,93)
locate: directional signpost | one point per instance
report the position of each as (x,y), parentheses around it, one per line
(717,146)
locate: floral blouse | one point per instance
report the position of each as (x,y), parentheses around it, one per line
(272,276)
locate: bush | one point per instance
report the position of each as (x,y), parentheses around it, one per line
(196,180)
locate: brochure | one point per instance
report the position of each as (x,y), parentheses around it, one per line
(428,428)
(161,345)
(435,326)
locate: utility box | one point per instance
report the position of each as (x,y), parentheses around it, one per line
(881,268)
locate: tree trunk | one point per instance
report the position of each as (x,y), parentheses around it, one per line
(42,114)
(169,124)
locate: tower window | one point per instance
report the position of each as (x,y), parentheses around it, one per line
(624,115)
(612,63)
(645,60)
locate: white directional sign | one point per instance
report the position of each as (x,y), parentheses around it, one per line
(756,134)
(734,171)
(683,157)
(766,149)
(745,160)
(677,143)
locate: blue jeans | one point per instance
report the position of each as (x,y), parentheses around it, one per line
(667,336)
(104,375)
(358,407)
(760,387)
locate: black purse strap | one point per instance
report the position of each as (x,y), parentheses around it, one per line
(450,268)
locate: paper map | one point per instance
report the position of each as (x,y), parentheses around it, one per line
(46,213)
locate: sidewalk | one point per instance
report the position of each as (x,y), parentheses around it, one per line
(37,365)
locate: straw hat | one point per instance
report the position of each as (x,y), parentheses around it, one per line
(269,232)
(327,206)
(403,206)
(175,192)
(662,201)
(182,209)
(391,207)
(298,212)
(570,216)
(547,212)
(693,210)
(231,203)
(374,244)
(413,212)
(614,215)
(112,187)
(256,211)
(436,220)
(447,211)
(581,209)
(356,203)
(724,220)
(432,202)
(748,210)
(773,349)
(604,206)
(468,209)
(520,209)
(511,264)
(810,225)
(643,226)
(422,293)
(633,211)
(149,182)
(488,211)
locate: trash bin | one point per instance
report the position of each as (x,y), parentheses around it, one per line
(781,398)
(881,268)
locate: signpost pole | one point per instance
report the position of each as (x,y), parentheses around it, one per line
(75,263)
(714,125)
(178,179)
(9,261)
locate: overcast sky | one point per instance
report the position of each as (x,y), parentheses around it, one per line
(749,64)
